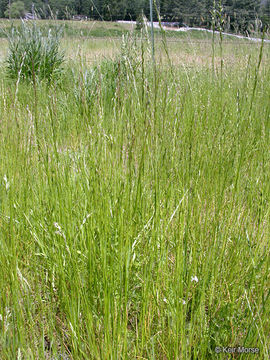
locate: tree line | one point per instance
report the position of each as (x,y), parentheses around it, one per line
(237,15)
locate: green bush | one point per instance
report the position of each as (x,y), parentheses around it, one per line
(33,53)
(16,10)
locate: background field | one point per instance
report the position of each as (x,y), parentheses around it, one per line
(134,200)
(95,39)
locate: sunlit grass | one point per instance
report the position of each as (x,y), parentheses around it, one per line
(134,205)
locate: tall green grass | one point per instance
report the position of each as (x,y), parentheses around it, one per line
(134,211)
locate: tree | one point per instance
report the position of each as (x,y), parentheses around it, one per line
(265,14)
(3,7)
(60,8)
(114,9)
(242,13)
(15,10)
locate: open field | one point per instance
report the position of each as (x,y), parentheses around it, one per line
(94,40)
(134,201)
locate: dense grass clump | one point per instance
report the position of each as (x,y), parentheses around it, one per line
(101,80)
(33,54)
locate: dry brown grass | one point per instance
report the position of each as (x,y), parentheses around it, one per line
(90,50)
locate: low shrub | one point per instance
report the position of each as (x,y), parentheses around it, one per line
(33,53)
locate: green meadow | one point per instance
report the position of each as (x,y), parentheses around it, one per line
(134,199)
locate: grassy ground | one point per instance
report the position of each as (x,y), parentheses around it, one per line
(102,29)
(134,204)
